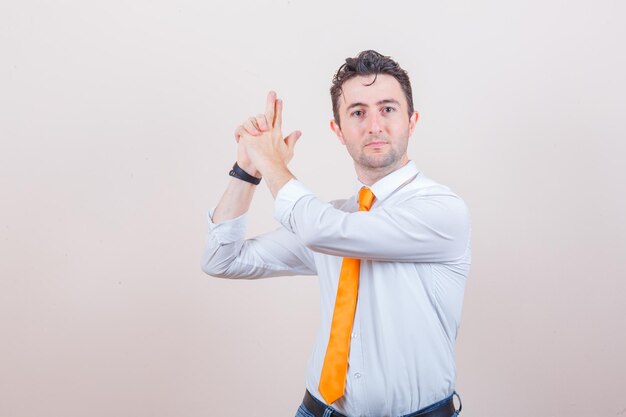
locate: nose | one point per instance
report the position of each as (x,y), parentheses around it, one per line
(373,123)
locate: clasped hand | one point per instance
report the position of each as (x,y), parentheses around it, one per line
(261,145)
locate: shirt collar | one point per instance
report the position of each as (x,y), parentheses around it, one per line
(390,182)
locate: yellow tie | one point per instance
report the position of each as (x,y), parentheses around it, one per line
(333,377)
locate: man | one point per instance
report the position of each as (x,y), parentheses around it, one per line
(392,259)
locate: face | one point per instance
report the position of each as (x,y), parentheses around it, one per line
(375,125)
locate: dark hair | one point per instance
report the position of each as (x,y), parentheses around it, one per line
(368,63)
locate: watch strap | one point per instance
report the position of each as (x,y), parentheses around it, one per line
(239,173)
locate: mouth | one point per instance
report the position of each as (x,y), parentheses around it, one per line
(376,144)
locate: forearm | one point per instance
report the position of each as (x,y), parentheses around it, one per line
(262,150)
(227,254)
(235,201)
(432,228)
(276,175)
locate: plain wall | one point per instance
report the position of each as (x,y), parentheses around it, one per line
(116,128)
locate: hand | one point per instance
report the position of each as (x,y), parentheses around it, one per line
(253,126)
(263,140)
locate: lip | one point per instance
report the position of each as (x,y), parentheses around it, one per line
(377,143)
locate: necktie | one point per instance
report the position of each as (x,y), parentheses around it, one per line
(333,377)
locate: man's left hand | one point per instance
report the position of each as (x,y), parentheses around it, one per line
(269,149)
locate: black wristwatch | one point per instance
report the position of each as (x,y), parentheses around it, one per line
(239,173)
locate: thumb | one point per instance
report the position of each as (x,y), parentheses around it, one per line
(292,138)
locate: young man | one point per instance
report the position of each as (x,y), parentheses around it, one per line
(392,259)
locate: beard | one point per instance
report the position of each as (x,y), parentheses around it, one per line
(376,160)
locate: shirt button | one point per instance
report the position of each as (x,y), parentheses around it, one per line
(354,335)
(357,375)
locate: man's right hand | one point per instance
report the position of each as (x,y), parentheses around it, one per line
(253,126)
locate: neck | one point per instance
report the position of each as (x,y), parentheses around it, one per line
(369,176)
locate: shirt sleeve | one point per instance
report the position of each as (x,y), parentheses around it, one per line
(431,227)
(227,254)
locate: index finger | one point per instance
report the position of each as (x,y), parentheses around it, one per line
(269,108)
(279,114)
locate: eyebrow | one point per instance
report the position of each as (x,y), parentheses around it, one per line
(386,101)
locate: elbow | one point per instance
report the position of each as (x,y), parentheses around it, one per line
(457,250)
(214,269)
(457,235)
(458,247)
(211,270)
(219,260)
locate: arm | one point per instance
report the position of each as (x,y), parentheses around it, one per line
(238,195)
(226,253)
(269,151)
(423,228)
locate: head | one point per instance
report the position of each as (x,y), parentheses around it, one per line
(373,112)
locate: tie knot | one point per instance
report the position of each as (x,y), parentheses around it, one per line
(366,198)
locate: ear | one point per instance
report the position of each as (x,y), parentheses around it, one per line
(413,122)
(337,130)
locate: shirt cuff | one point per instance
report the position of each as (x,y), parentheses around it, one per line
(286,199)
(228,231)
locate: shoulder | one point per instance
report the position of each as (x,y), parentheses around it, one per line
(424,190)
(424,185)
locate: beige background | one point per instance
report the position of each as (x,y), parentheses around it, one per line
(116,123)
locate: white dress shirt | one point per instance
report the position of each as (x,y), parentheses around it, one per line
(414,246)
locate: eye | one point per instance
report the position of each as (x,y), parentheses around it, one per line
(357,113)
(388,109)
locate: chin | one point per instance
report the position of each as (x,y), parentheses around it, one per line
(381,161)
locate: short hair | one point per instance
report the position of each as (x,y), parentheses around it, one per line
(368,63)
